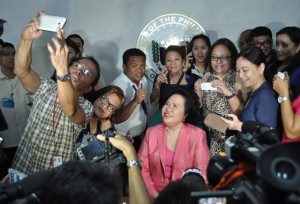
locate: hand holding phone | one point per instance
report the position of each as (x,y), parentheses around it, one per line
(51,23)
(207,86)
(281,75)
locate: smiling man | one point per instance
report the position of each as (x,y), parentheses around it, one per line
(134,84)
(59,111)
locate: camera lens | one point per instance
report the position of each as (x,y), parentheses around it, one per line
(285,168)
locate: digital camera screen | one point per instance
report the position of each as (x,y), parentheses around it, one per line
(92,151)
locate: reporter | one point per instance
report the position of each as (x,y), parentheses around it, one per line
(137,189)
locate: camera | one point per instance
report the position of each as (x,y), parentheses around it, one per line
(93,150)
(255,168)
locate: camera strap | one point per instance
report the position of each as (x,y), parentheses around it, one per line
(229,176)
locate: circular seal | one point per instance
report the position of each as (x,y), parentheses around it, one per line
(165,30)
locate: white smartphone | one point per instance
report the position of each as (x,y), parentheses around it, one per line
(15,176)
(281,75)
(206,86)
(51,23)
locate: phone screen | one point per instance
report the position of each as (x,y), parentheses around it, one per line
(92,151)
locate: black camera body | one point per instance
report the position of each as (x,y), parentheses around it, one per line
(256,169)
(93,150)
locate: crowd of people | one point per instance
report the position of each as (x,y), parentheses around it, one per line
(48,117)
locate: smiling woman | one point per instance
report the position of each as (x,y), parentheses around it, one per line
(168,149)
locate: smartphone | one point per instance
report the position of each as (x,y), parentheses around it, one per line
(206,86)
(15,175)
(214,121)
(51,23)
(281,75)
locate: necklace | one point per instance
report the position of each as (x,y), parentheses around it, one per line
(172,132)
(179,80)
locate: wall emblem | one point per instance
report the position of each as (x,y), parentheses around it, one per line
(165,30)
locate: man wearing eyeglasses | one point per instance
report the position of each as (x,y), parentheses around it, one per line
(59,111)
(133,82)
(261,37)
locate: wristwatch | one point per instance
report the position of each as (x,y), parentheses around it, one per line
(134,163)
(283,98)
(65,77)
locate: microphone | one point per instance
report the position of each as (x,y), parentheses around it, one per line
(263,133)
(25,187)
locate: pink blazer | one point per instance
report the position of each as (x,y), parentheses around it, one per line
(191,151)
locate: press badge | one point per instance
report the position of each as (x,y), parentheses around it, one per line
(56,161)
(7,103)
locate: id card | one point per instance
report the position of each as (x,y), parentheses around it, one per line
(56,161)
(7,103)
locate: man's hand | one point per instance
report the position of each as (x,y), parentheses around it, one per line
(122,143)
(140,95)
(32,31)
(59,56)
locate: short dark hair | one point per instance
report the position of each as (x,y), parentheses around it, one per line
(132,52)
(83,182)
(4,45)
(72,44)
(260,31)
(76,36)
(191,105)
(229,45)
(177,192)
(199,36)
(7,44)
(175,48)
(94,61)
(254,55)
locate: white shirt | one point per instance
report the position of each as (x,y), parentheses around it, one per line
(16,116)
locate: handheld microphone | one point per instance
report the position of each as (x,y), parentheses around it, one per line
(263,133)
(25,187)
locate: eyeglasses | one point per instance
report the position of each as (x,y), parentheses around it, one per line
(266,43)
(110,107)
(84,70)
(222,58)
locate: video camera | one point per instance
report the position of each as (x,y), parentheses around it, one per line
(91,149)
(256,168)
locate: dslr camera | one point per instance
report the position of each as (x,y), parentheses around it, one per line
(93,150)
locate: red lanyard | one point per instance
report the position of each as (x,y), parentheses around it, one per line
(55,124)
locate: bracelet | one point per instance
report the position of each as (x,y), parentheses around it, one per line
(134,163)
(231,96)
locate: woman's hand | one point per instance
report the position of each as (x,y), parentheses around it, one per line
(122,143)
(162,77)
(281,86)
(197,86)
(221,87)
(234,124)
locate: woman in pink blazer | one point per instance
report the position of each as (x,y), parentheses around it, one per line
(170,148)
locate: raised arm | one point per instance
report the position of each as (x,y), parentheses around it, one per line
(155,94)
(137,190)
(290,120)
(29,79)
(139,96)
(67,96)
(233,100)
